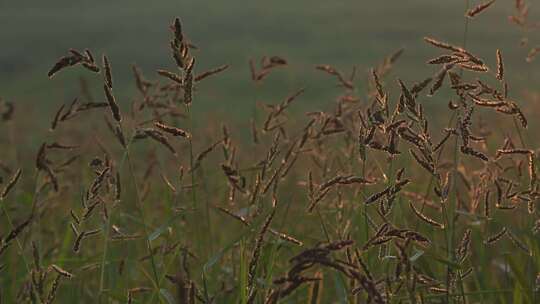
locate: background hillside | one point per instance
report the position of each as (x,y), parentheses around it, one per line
(341,33)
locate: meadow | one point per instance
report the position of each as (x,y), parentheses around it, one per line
(270,153)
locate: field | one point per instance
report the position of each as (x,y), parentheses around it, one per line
(244,152)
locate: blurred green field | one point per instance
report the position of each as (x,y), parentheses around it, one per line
(167,215)
(341,33)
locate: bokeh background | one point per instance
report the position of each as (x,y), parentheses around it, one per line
(34,34)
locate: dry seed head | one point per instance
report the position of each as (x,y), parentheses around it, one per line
(286,237)
(57,117)
(522,119)
(16,231)
(177,28)
(464,245)
(438,290)
(108,73)
(514,151)
(91,232)
(257,250)
(168,182)
(409,98)
(443,45)
(532,169)
(519,244)
(423,163)
(474,67)
(54,288)
(61,271)
(494,238)
(78,241)
(471,13)
(443,59)
(536,228)
(211,72)
(532,54)
(419,87)
(74,229)
(531,207)
(470,151)
(170,75)
(255,191)
(318,198)
(500,66)
(377,83)
(172,130)
(157,136)
(425,218)
(439,78)
(188,88)
(62,63)
(115,110)
(12,182)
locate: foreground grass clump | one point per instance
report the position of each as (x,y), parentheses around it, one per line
(373,200)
